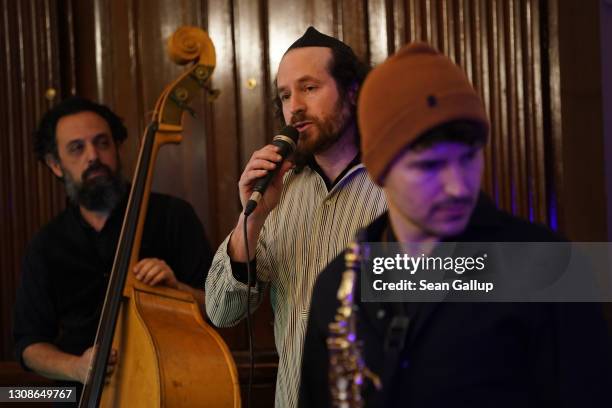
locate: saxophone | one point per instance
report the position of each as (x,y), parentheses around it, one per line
(347,368)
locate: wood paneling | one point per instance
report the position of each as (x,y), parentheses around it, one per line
(606,78)
(30,195)
(224,146)
(578,124)
(498,44)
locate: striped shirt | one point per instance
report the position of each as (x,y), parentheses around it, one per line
(308,228)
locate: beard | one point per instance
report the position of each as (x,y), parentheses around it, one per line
(101,193)
(330,130)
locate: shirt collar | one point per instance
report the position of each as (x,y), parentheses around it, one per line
(314,166)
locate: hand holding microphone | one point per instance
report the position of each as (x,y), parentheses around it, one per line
(265,170)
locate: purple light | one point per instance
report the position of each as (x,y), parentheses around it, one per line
(552,208)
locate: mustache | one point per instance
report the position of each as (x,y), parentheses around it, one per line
(466,201)
(94,167)
(300,117)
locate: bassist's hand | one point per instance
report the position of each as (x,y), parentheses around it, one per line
(84,363)
(153,271)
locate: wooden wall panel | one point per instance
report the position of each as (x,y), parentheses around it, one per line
(498,44)
(605,18)
(379,36)
(251,79)
(399,26)
(224,147)
(485,37)
(579,113)
(30,196)
(353,18)
(537,123)
(124,67)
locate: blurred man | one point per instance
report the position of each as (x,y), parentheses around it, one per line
(422,140)
(68,263)
(309,213)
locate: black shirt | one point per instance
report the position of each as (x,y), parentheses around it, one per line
(67,266)
(469,354)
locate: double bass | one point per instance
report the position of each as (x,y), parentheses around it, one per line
(168,356)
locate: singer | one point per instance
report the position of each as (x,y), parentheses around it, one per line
(310,210)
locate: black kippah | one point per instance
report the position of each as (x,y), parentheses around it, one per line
(314,38)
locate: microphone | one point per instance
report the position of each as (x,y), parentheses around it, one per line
(286,140)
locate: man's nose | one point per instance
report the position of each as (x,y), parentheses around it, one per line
(456,182)
(91,153)
(296,103)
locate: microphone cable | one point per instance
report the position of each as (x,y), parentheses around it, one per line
(286,141)
(248,316)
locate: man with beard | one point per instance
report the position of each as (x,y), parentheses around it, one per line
(423,137)
(309,212)
(68,263)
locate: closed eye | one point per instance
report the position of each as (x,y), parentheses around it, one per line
(429,165)
(469,156)
(102,141)
(75,147)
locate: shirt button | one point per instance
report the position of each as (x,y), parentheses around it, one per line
(380,313)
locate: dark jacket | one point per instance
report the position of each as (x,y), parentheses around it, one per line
(470,354)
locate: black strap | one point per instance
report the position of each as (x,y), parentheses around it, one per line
(396,334)
(395,341)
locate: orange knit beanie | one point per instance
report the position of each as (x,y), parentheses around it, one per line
(413,91)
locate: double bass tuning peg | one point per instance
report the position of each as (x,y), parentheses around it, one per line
(180,97)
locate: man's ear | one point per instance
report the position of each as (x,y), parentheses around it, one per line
(54,165)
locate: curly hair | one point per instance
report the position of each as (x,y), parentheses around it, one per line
(45,142)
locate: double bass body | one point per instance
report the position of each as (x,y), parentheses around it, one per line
(173,356)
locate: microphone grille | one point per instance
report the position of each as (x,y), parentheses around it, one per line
(290,132)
